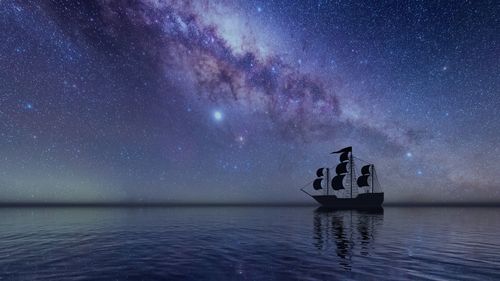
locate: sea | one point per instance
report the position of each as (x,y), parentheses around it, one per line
(249,243)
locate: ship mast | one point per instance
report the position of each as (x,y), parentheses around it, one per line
(351,172)
(341,170)
(327,180)
(373,175)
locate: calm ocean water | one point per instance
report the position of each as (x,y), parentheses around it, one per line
(249,243)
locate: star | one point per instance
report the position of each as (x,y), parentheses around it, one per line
(218,116)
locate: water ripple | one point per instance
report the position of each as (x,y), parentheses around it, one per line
(242,243)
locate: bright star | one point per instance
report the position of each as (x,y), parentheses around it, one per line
(218,115)
(241,140)
(409,154)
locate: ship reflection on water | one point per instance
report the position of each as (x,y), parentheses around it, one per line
(346,231)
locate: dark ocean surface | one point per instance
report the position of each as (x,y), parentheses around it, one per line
(249,243)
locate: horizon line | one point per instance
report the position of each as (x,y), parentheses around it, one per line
(238,204)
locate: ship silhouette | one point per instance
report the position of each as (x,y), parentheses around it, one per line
(345,190)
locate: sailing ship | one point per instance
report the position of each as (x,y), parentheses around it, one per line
(345,190)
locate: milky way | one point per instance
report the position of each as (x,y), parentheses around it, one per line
(242,101)
(298,103)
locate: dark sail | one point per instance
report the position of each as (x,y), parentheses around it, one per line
(317,184)
(345,149)
(341,168)
(363,181)
(344,156)
(365,170)
(337,182)
(319,172)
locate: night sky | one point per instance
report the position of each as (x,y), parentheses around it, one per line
(241,101)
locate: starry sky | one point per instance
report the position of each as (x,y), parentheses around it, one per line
(241,101)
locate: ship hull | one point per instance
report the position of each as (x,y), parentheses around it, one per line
(362,201)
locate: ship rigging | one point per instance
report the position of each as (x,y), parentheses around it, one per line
(345,189)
